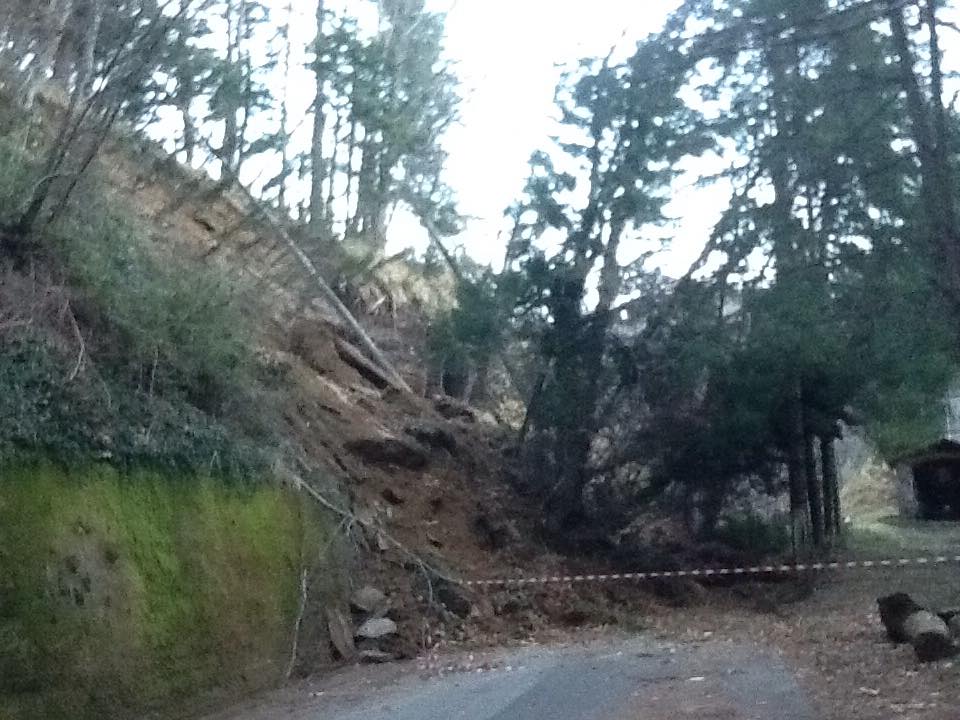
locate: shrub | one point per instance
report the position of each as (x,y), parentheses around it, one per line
(168,377)
(179,328)
(42,410)
(19,170)
(754,534)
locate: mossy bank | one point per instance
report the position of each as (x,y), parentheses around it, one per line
(133,591)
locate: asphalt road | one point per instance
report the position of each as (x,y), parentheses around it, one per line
(631,679)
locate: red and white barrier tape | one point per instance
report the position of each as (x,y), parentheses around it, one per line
(713,572)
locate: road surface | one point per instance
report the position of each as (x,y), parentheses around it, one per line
(627,679)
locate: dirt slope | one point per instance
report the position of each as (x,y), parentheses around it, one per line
(424,469)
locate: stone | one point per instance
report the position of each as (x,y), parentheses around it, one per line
(370,600)
(374,657)
(454,410)
(376,628)
(433,435)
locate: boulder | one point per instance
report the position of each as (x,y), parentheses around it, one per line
(376,628)
(371,601)
(433,435)
(392,496)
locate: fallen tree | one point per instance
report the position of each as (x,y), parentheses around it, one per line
(908,622)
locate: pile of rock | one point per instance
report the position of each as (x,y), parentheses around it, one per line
(364,634)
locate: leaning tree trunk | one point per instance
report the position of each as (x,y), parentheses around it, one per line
(831,486)
(908,622)
(264,214)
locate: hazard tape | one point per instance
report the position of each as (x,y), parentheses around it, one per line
(713,572)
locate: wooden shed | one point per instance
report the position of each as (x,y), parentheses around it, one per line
(929,482)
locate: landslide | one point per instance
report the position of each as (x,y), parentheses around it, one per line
(414,479)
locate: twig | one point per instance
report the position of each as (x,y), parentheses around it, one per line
(153,370)
(83,347)
(296,626)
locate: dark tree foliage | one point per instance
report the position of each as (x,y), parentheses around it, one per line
(623,126)
(818,302)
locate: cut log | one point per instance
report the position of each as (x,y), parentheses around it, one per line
(908,622)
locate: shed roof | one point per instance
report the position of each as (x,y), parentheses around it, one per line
(943,449)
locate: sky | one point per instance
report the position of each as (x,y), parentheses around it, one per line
(507,54)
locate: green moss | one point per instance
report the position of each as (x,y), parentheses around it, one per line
(124,592)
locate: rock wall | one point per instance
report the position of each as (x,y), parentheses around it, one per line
(122,593)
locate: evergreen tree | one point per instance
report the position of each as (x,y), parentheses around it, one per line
(623,127)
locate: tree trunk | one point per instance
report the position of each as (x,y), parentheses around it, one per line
(317,166)
(359,223)
(611,277)
(64,63)
(815,493)
(937,180)
(230,147)
(326,291)
(184,100)
(285,164)
(332,168)
(86,64)
(831,486)
(799,504)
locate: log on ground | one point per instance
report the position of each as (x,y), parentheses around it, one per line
(906,621)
